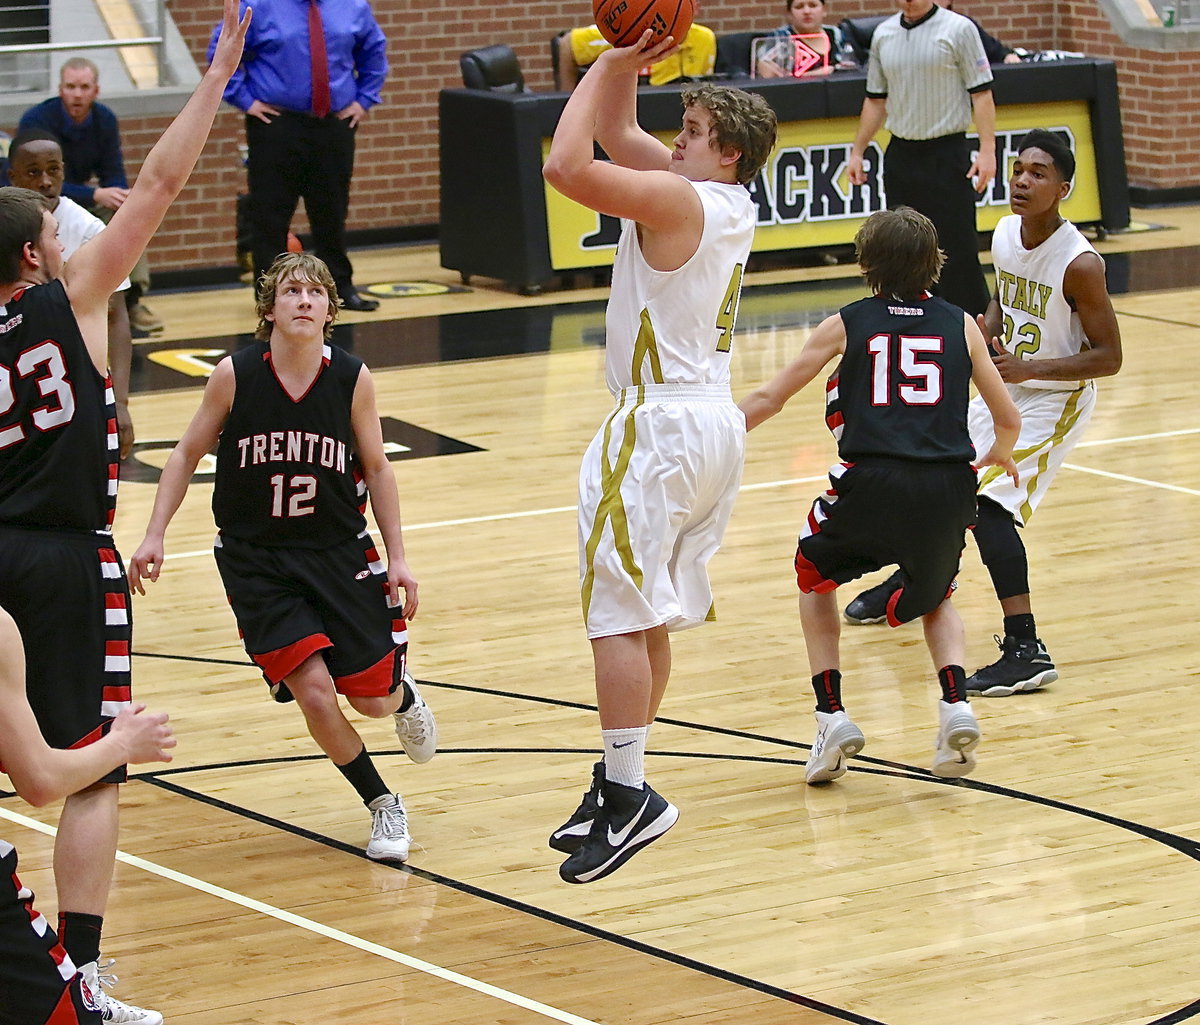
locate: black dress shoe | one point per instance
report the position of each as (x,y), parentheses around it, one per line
(358,304)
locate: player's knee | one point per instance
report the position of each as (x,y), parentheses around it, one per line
(1002,550)
(375,708)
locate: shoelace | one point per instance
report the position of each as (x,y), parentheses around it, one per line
(112,1009)
(104,974)
(413,722)
(392,822)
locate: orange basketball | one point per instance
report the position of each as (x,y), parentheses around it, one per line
(293,244)
(622,22)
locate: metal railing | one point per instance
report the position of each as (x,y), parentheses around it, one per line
(125,38)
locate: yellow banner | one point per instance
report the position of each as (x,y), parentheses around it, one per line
(803,196)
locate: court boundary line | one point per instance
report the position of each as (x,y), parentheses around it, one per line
(320,929)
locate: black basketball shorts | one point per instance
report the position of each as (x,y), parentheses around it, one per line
(290,603)
(880,512)
(69,597)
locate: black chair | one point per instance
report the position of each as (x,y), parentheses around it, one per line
(733,53)
(494,68)
(858,33)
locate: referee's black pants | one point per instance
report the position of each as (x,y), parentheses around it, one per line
(930,175)
(300,156)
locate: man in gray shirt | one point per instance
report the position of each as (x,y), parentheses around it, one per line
(928,76)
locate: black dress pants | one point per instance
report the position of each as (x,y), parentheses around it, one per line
(298,156)
(930,175)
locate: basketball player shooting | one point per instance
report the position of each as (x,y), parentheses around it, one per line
(659,479)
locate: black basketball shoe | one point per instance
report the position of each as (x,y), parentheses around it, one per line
(1024,665)
(871,605)
(627,819)
(569,837)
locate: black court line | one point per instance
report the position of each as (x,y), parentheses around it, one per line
(516,905)
(859,764)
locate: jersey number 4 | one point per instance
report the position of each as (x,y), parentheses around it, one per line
(899,372)
(46,364)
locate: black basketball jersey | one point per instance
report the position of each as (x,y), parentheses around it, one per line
(287,473)
(58,419)
(904,382)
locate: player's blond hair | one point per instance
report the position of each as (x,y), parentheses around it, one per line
(297,267)
(740,120)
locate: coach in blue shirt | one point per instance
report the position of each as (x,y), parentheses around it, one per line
(301,117)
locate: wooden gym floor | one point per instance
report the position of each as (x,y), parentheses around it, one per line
(1059,884)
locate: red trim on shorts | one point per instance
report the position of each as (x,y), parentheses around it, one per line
(64,1012)
(279,664)
(96,734)
(809,578)
(373,682)
(891,608)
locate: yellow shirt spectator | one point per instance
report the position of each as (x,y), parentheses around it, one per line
(697,56)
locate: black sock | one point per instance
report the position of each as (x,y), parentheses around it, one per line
(364,777)
(1022,627)
(953,682)
(827,686)
(79,935)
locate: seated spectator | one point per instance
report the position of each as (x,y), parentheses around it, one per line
(806,19)
(997,52)
(578,48)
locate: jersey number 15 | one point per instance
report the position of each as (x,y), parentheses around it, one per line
(899,372)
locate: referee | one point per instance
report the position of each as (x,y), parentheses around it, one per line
(927,76)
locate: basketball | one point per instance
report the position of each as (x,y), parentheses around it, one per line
(622,22)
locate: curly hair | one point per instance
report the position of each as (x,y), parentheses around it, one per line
(897,252)
(297,267)
(740,120)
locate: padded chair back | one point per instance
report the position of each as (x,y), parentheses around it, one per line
(494,68)
(733,53)
(858,33)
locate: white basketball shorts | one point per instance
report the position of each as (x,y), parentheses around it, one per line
(1052,422)
(656,490)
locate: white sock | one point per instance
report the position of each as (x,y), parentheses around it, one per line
(625,755)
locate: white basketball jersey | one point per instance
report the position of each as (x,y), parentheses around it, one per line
(676,327)
(1038,321)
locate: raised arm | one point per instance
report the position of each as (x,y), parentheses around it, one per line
(827,341)
(639,187)
(199,439)
(99,266)
(381,486)
(42,774)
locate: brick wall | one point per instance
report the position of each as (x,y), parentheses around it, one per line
(396,181)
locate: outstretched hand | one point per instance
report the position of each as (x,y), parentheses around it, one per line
(639,54)
(228,53)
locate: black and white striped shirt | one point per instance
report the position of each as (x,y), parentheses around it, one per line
(926,72)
